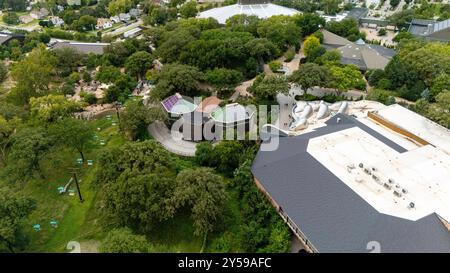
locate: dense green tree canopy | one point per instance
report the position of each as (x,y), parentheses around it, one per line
(173,78)
(123,240)
(33,75)
(270,86)
(310,75)
(136,118)
(51,108)
(13,211)
(203,192)
(138,63)
(73,133)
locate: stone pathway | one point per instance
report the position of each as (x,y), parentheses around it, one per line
(172,142)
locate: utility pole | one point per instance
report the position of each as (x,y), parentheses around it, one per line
(74,173)
(78,187)
(118,105)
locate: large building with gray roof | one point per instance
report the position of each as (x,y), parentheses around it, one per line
(354,185)
(431,29)
(364,56)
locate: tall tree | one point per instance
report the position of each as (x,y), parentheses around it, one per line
(51,108)
(138,63)
(32,74)
(13,211)
(29,146)
(173,78)
(204,193)
(270,86)
(310,75)
(136,118)
(73,133)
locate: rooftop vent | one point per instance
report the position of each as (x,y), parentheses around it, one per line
(361,165)
(404,191)
(391,181)
(374,169)
(397,193)
(411,205)
(367,171)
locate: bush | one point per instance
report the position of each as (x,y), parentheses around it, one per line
(11,18)
(90,98)
(289,55)
(3,72)
(382,32)
(68,89)
(74,77)
(275,66)
(87,77)
(380,95)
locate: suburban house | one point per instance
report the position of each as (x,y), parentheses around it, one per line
(39,14)
(364,56)
(124,17)
(104,23)
(87,48)
(260,8)
(392,199)
(56,21)
(430,29)
(135,13)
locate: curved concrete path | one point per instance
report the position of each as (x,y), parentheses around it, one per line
(175,143)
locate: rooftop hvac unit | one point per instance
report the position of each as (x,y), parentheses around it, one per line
(397,193)
(387,186)
(404,191)
(374,177)
(367,171)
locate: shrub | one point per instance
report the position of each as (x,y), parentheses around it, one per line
(275,65)
(90,98)
(289,55)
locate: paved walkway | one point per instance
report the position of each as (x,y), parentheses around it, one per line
(173,143)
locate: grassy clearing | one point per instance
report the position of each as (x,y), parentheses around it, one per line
(73,217)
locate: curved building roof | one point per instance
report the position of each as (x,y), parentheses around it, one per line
(261,10)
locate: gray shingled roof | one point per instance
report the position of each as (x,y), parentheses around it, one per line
(4,38)
(96,48)
(330,214)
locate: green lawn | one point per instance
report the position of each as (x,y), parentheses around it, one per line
(74,218)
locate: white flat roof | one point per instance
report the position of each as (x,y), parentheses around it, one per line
(261,10)
(418,125)
(423,171)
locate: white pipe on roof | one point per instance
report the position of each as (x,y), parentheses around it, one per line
(343,108)
(299,124)
(323,111)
